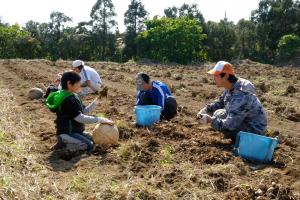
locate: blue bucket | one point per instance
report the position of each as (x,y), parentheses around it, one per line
(255,147)
(147,115)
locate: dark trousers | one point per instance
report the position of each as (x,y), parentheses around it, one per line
(170,110)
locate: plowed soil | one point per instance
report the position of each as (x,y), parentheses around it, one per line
(180,159)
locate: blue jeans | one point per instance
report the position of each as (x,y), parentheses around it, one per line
(84,138)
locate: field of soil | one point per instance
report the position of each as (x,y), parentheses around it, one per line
(180,159)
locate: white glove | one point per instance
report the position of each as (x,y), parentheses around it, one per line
(203,111)
(205,119)
(96,101)
(103,120)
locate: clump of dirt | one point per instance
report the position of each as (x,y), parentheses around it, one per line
(264,88)
(178,77)
(290,90)
(153,145)
(173,176)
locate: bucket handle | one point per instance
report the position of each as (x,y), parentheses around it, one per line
(236,145)
(269,147)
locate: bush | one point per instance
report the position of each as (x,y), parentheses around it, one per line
(17,43)
(172,40)
(288,46)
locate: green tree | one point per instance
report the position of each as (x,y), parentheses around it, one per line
(33,28)
(57,27)
(17,43)
(171,12)
(172,40)
(246,39)
(273,19)
(221,40)
(102,22)
(288,46)
(134,20)
(191,11)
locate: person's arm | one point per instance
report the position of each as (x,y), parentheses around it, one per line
(92,86)
(86,119)
(217,104)
(159,96)
(236,113)
(85,84)
(138,98)
(87,78)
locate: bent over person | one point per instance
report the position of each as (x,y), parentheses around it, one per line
(90,79)
(155,93)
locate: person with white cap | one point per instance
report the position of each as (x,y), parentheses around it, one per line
(237,109)
(90,79)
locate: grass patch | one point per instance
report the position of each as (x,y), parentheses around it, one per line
(167,155)
(129,151)
(101,115)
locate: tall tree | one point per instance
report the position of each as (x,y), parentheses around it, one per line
(221,39)
(273,19)
(171,12)
(246,39)
(57,26)
(186,10)
(33,28)
(102,14)
(134,20)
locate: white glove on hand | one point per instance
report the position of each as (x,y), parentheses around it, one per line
(205,119)
(203,111)
(103,120)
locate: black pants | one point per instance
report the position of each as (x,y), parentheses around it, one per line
(170,110)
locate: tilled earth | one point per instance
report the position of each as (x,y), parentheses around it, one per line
(180,159)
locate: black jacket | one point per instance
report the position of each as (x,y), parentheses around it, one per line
(69,109)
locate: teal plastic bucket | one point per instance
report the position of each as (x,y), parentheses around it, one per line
(147,115)
(255,147)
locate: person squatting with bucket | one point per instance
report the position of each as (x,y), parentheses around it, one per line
(155,93)
(237,109)
(71,115)
(90,79)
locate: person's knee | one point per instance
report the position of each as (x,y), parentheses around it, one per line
(74,142)
(170,110)
(84,139)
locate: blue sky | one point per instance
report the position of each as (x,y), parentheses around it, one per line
(21,11)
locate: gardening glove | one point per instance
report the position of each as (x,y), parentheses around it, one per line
(205,119)
(96,101)
(203,111)
(103,120)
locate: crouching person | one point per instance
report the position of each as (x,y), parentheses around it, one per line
(72,115)
(237,109)
(155,93)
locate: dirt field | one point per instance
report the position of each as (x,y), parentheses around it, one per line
(180,159)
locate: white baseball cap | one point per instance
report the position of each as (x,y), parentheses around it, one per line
(77,63)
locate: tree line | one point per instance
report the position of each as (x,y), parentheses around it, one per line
(182,35)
